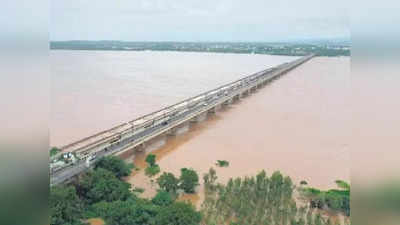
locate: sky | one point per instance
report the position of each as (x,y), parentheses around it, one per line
(198,20)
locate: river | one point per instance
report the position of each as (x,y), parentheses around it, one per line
(298,124)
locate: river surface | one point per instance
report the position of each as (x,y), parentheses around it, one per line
(299,124)
(94,90)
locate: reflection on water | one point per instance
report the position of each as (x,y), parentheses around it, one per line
(296,125)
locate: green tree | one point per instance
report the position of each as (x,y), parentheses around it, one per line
(130,212)
(162,198)
(103,185)
(188,180)
(178,213)
(151,159)
(115,165)
(65,206)
(54,151)
(168,182)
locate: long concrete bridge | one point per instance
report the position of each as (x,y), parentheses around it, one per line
(137,133)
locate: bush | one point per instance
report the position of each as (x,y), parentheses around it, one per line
(130,212)
(101,185)
(188,180)
(222,163)
(162,198)
(151,159)
(65,206)
(116,165)
(168,182)
(178,213)
(152,170)
(303,182)
(54,151)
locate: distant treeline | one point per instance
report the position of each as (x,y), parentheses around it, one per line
(218,47)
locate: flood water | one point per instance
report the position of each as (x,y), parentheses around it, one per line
(95,90)
(298,124)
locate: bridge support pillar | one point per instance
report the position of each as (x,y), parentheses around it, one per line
(140,148)
(227,102)
(199,118)
(182,128)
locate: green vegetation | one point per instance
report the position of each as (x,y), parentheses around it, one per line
(102,185)
(254,200)
(334,199)
(178,213)
(102,193)
(222,163)
(152,168)
(115,165)
(168,182)
(54,151)
(65,206)
(189,180)
(163,198)
(321,48)
(303,182)
(151,159)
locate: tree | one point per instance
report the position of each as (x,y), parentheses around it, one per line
(115,165)
(168,182)
(65,206)
(102,185)
(130,212)
(151,159)
(188,180)
(178,213)
(162,198)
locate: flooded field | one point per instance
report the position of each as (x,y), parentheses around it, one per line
(297,124)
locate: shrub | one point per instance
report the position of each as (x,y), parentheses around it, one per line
(168,182)
(222,163)
(162,198)
(152,170)
(188,180)
(303,182)
(116,165)
(178,213)
(151,159)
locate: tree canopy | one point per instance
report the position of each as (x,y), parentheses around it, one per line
(188,180)
(103,185)
(151,159)
(168,182)
(115,165)
(65,206)
(178,213)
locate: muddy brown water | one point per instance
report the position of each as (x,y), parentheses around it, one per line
(296,124)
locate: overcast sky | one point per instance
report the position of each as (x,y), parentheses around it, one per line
(198,20)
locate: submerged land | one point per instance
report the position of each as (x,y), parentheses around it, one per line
(320,48)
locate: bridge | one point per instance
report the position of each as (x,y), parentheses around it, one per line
(137,133)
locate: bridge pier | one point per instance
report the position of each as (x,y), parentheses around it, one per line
(140,148)
(236,98)
(227,102)
(199,118)
(182,128)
